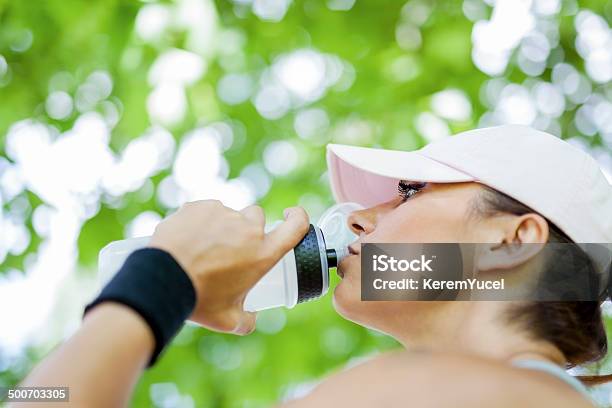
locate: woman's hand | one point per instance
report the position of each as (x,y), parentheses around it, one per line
(225,252)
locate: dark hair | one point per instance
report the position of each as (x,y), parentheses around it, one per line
(575,328)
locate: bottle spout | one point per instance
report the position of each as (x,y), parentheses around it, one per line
(332,258)
(335,256)
(336,233)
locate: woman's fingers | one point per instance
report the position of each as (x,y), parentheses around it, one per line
(246,323)
(255,214)
(287,234)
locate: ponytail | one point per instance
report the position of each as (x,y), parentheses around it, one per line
(575,328)
(594,380)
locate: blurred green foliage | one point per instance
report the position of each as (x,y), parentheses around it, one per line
(391,87)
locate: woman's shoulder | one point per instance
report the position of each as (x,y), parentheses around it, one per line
(442,380)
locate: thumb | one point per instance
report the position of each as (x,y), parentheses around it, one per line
(288,234)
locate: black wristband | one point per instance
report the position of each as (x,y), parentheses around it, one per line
(153,284)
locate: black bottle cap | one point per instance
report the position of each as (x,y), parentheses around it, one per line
(309,267)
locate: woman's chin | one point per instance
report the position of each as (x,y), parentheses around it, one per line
(346,300)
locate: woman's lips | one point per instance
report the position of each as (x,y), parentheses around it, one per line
(352,251)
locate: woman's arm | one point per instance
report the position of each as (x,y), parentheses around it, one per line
(101,363)
(222,251)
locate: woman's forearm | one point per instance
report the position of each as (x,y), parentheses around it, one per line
(102,361)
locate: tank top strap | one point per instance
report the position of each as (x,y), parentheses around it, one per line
(555,370)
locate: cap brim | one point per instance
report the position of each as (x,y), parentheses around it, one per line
(369,176)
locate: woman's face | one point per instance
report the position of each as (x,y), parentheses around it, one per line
(434,213)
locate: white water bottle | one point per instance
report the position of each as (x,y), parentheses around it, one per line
(301,275)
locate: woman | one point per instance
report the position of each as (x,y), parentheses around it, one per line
(460,190)
(458,354)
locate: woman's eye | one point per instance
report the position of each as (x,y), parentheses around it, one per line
(407,190)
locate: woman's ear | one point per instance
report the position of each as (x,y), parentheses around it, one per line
(523,238)
(529,228)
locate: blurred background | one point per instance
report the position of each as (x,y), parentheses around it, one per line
(113,113)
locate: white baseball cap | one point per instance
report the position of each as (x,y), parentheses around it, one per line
(556,179)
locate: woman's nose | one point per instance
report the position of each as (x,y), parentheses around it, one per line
(365,221)
(362,221)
